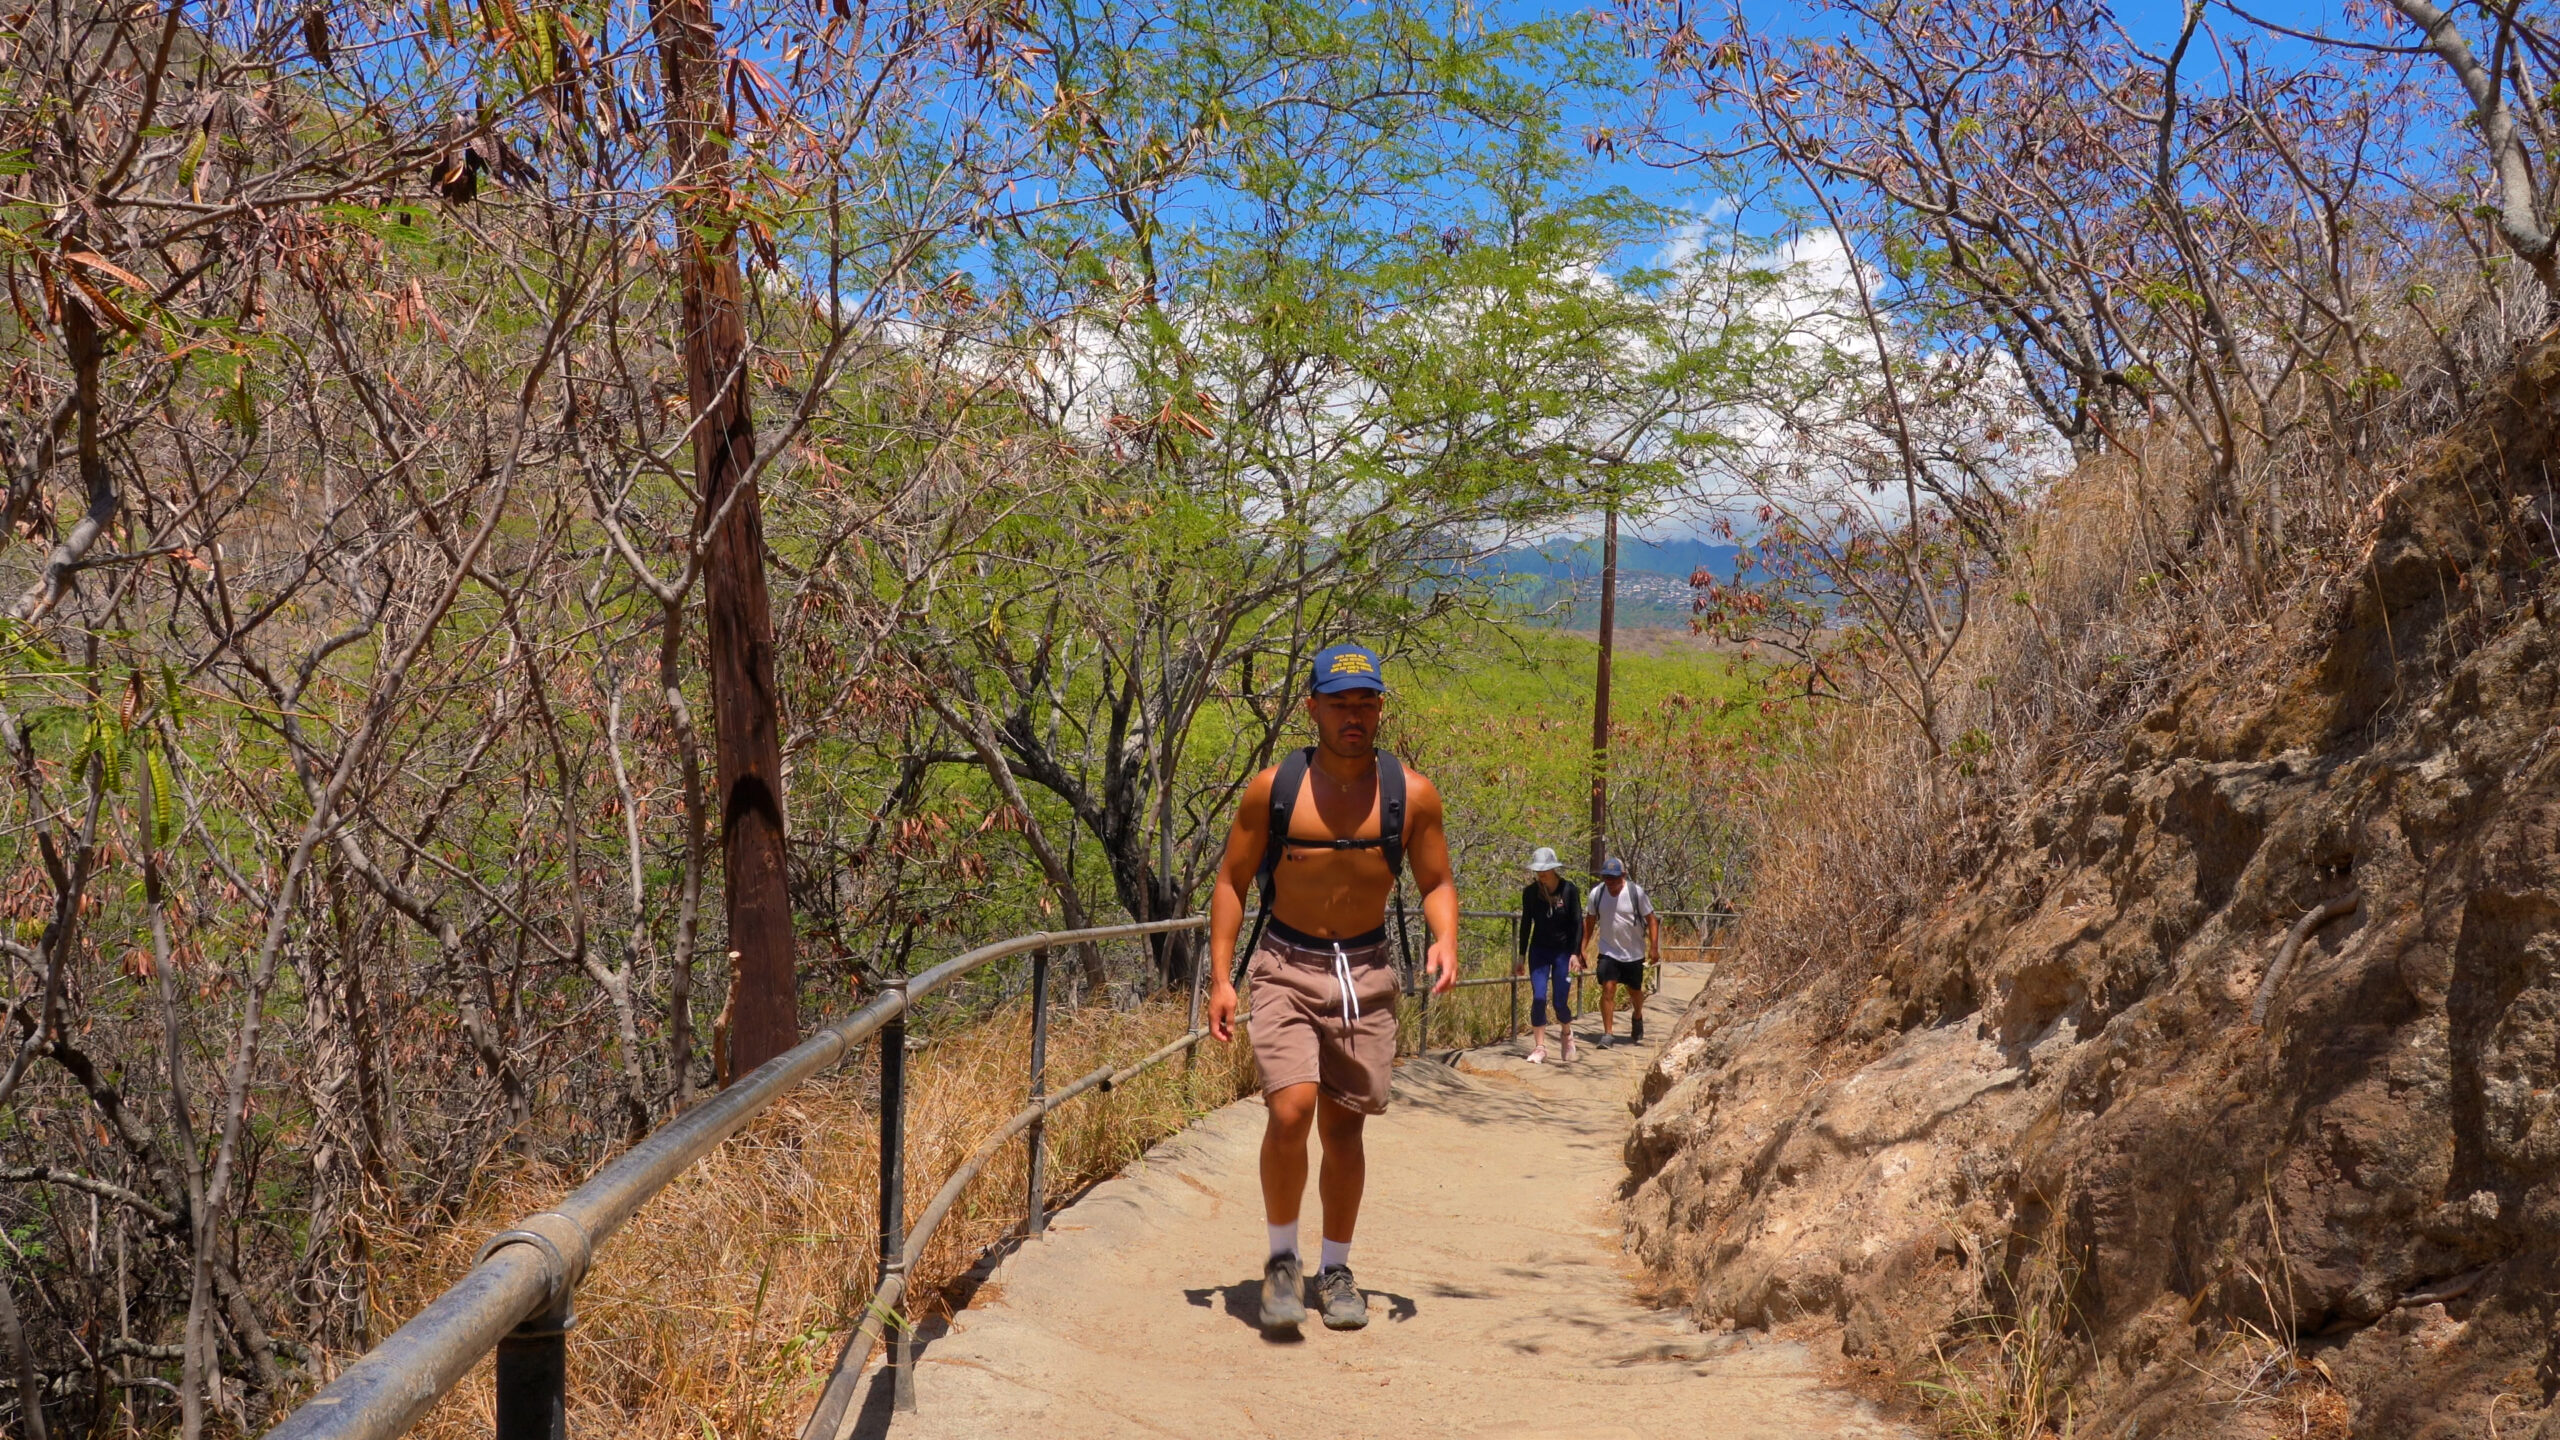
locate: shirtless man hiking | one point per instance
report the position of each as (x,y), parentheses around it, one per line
(1324,991)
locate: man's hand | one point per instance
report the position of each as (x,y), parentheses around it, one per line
(1442,960)
(1222,1011)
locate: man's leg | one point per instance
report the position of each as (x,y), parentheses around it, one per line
(1284,1151)
(1608,1008)
(1346,1168)
(1344,1174)
(1284,1186)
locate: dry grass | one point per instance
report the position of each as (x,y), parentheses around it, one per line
(718,1310)
(2012,1381)
(2103,609)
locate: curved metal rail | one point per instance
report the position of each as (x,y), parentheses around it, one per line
(835,1408)
(517,1300)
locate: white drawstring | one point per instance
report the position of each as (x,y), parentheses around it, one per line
(1342,977)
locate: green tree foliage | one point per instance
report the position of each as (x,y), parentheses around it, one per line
(1383,325)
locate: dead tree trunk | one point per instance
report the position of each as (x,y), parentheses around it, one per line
(738,613)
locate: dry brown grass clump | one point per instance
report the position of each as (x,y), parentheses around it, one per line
(719,1309)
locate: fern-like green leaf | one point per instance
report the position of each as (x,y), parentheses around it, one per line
(164,796)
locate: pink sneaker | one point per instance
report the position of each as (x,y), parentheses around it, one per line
(1538,1056)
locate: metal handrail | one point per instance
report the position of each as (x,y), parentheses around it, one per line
(1665,914)
(835,1407)
(517,1300)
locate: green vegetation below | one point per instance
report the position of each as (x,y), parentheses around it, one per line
(1504,727)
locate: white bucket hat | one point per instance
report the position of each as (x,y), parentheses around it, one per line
(1544,858)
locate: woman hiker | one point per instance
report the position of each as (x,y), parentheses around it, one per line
(1550,945)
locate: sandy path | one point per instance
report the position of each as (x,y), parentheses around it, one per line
(1500,1304)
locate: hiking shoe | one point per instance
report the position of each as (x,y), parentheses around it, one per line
(1538,1056)
(1284,1302)
(1345,1308)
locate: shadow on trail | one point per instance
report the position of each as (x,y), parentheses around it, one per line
(1243,1303)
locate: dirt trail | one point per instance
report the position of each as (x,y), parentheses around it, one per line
(1500,1304)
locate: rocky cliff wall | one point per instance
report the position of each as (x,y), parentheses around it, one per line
(2050,1093)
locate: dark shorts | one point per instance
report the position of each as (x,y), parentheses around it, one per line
(1614,971)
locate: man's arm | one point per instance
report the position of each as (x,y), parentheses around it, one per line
(1236,873)
(1590,925)
(1426,850)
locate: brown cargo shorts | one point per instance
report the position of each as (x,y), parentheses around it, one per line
(1306,1027)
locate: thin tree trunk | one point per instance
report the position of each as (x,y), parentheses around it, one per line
(738,612)
(30,1384)
(195,1338)
(689,903)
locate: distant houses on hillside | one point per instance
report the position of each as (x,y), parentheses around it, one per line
(1560,583)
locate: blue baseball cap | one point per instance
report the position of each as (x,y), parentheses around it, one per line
(1612,868)
(1345,667)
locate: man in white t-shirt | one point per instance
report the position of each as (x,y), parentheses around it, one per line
(1630,934)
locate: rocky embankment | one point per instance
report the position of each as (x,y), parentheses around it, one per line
(2053,1084)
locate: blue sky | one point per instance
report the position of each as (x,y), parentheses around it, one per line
(2152,23)
(2153,26)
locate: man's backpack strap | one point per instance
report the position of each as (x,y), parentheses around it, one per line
(1284,803)
(1391,812)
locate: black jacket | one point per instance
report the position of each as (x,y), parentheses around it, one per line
(1550,925)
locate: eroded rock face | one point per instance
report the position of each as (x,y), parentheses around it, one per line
(2058,1060)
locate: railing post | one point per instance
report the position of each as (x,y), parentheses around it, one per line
(1515,1004)
(1416,977)
(1036,1198)
(893,1201)
(533,1377)
(1199,978)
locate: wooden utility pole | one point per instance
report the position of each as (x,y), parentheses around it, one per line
(1600,689)
(738,612)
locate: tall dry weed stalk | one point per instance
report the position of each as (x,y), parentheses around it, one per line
(719,1309)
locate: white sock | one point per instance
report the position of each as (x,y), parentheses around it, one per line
(1284,1238)
(1336,1252)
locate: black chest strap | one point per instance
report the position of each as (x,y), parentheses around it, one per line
(1286,786)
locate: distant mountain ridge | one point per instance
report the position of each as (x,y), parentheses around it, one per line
(1580,559)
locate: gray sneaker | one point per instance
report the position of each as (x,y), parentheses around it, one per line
(1284,1303)
(1345,1308)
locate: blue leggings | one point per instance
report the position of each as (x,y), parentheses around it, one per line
(1550,974)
